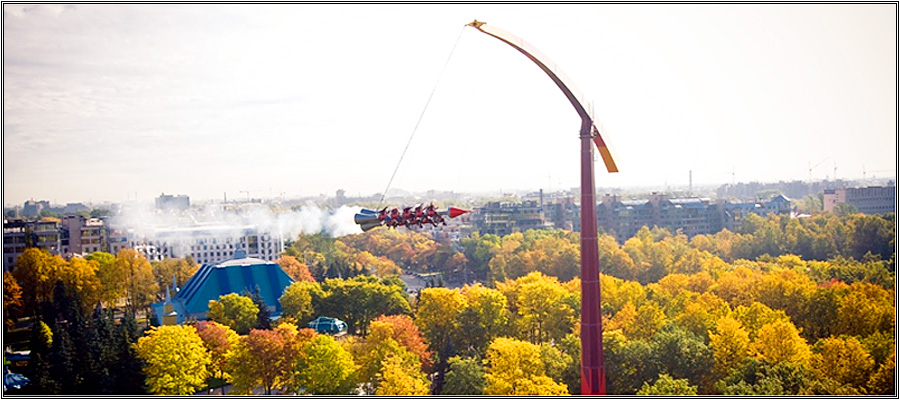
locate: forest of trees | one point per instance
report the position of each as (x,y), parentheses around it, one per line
(781,307)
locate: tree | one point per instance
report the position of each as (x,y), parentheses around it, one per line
(295,269)
(843,359)
(465,377)
(80,276)
(110,276)
(437,317)
(486,316)
(236,311)
(218,340)
(324,367)
(12,299)
(176,360)
(667,386)
(137,280)
(515,368)
(730,344)
(629,363)
(36,271)
(780,341)
(298,298)
(263,315)
(360,299)
(401,375)
(406,333)
(265,358)
(684,355)
(882,381)
(181,269)
(544,312)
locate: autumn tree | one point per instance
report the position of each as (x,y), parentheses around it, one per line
(324,367)
(136,276)
(485,317)
(543,308)
(265,358)
(407,334)
(400,375)
(181,269)
(297,270)
(842,359)
(438,318)
(235,311)
(110,276)
(80,276)
(780,341)
(176,360)
(36,271)
(730,344)
(218,340)
(12,299)
(515,368)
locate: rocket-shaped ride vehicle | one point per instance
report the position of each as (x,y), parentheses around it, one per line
(406,216)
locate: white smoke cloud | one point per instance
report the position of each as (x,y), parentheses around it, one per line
(147,223)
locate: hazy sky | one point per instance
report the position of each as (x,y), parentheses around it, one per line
(105,101)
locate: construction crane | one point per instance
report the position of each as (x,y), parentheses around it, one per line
(811,167)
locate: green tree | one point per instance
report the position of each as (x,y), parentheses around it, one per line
(176,361)
(360,299)
(298,299)
(667,386)
(324,367)
(465,377)
(235,311)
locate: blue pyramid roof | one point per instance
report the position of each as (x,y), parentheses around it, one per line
(232,276)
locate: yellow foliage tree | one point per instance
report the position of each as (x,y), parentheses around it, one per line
(175,360)
(844,360)
(400,375)
(730,344)
(437,314)
(515,368)
(780,341)
(135,274)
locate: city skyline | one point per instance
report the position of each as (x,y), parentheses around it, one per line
(102,101)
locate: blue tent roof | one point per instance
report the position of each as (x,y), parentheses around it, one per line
(232,276)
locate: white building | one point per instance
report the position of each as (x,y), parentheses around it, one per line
(209,244)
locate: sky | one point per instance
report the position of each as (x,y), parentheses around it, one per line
(118,102)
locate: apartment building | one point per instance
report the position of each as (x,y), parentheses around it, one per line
(867,200)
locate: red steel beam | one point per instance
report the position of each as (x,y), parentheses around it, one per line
(593,376)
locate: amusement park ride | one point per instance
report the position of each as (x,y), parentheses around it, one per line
(593,378)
